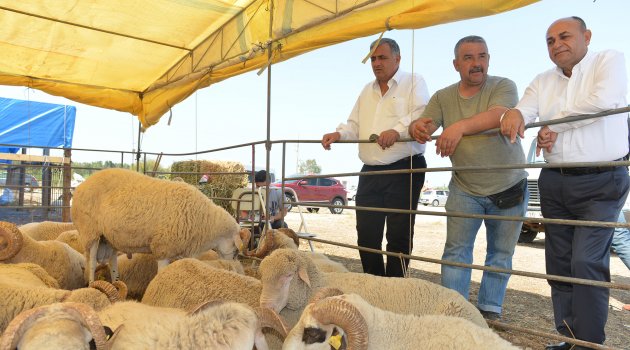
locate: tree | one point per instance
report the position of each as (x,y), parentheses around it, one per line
(309,166)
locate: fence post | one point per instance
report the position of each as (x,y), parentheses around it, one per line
(67,183)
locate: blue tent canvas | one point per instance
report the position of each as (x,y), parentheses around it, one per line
(30,123)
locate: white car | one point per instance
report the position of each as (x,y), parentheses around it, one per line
(434,197)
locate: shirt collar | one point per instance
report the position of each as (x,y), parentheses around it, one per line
(578,67)
(395,79)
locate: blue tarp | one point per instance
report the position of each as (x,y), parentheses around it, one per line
(38,124)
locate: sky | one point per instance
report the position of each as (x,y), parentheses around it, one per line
(312,93)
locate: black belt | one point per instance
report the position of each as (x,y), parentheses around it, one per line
(585,170)
(406,159)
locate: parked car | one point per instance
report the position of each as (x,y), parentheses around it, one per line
(434,197)
(29,181)
(325,190)
(352,194)
(530,230)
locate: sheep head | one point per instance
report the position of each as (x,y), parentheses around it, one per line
(288,278)
(228,246)
(329,323)
(11,240)
(55,326)
(265,245)
(291,234)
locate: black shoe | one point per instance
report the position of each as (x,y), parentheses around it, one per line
(489,315)
(558,346)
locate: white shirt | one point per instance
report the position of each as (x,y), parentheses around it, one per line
(372,114)
(597,83)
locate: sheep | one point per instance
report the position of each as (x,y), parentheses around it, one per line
(121,210)
(62,262)
(289,278)
(25,286)
(286,238)
(71,238)
(136,273)
(45,230)
(187,282)
(58,326)
(352,320)
(210,326)
(215,325)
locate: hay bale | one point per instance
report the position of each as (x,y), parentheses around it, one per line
(218,185)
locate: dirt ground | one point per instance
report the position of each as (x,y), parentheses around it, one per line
(527,303)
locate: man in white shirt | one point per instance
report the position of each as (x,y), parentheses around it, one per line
(582,83)
(385,108)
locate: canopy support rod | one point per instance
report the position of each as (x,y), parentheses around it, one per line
(95,29)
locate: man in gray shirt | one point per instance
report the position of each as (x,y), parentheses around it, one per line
(469,107)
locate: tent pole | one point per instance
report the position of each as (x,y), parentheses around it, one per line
(138,153)
(268,141)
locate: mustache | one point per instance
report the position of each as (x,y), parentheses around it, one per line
(476,70)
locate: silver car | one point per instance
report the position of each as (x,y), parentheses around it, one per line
(434,197)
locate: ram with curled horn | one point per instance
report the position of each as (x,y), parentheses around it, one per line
(39,328)
(349,322)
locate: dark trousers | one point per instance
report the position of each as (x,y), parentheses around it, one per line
(400,191)
(581,251)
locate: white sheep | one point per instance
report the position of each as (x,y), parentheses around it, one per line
(286,238)
(216,325)
(26,286)
(352,320)
(71,238)
(121,210)
(290,278)
(187,282)
(45,230)
(58,326)
(63,263)
(136,273)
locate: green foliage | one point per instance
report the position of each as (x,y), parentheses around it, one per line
(309,166)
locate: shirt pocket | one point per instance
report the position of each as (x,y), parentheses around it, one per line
(397,107)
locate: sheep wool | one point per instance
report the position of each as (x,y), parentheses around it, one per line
(400,295)
(45,230)
(188,282)
(135,213)
(63,263)
(388,330)
(26,286)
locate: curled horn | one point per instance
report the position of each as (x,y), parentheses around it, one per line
(107,289)
(264,247)
(271,319)
(246,236)
(22,322)
(13,238)
(345,315)
(325,292)
(289,232)
(122,289)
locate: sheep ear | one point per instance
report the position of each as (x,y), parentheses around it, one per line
(303,274)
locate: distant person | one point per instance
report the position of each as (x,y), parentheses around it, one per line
(469,107)
(275,213)
(385,108)
(582,82)
(621,245)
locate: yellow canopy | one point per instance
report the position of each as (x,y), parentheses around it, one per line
(144,56)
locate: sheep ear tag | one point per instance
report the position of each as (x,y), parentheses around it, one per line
(336,340)
(304,276)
